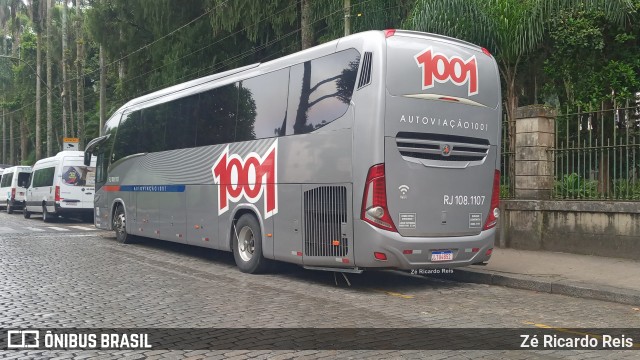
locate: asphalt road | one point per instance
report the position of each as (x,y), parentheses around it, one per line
(67,274)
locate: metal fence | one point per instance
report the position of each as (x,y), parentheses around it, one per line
(597,153)
(507,163)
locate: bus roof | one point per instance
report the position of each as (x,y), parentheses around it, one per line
(223,78)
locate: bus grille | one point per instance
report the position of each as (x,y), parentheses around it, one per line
(325,210)
(428,146)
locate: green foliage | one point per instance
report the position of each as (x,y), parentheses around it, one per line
(505,192)
(592,59)
(625,189)
(572,186)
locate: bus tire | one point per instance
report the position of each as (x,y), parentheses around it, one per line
(26,212)
(9,207)
(120,226)
(46,217)
(247,245)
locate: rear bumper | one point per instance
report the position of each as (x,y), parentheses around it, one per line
(17,204)
(394,246)
(72,210)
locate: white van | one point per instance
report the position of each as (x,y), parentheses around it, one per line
(13,187)
(61,185)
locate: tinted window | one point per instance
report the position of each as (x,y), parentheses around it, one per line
(263,106)
(6,180)
(102,153)
(127,137)
(216,115)
(43,177)
(23,179)
(154,123)
(180,129)
(320,90)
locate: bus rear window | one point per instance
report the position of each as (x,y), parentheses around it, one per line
(78,175)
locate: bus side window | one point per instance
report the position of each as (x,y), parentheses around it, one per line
(216,116)
(262,106)
(126,142)
(180,125)
(320,90)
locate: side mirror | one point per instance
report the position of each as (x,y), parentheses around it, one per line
(91,146)
(87,158)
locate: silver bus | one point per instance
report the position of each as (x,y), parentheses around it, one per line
(376,150)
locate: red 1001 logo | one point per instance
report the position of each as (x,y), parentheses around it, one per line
(249,178)
(440,68)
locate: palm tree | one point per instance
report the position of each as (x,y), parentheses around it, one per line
(510,29)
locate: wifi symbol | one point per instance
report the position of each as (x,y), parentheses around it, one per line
(403,189)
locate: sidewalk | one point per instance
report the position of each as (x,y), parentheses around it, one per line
(584,276)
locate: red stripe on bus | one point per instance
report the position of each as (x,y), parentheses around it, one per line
(111,188)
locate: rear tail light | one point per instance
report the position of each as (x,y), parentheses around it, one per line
(380,256)
(57,193)
(389,32)
(13,193)
(494,211)
(374,200)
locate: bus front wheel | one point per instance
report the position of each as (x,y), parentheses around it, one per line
(247,245)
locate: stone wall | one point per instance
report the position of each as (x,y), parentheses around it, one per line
(581,227)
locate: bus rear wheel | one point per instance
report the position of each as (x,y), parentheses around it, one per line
(9,207)
(247,245)
(120,226)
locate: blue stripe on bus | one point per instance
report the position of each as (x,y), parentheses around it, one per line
(152,188)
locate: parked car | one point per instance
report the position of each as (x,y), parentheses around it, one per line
(13,187)
(61,186)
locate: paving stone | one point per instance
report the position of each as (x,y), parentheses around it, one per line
(95,282)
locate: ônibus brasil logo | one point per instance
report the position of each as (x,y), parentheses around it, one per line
(249,177)
(440,68)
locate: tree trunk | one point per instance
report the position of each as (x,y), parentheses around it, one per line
(49,82)
(15,32)
(103,91)
(306,27)
(12,143)
(38,94)
(511,106)
(121,63)
(65,84)
(4,138)
(70,127)
(24,139)
(347,17)
(80,77)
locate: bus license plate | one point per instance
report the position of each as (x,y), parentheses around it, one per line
(442,255)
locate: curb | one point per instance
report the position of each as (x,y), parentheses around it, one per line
(562,287)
